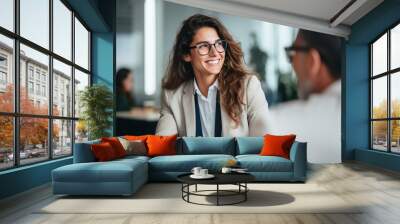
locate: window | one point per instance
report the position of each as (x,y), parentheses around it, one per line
(47,76)
(3,78)
(34,21)
(81,45)
(30,87)
(38,74)
(3,61)
(385,91)
(30,72)
(62,31)
(44,91)
(7,71)
(7,14)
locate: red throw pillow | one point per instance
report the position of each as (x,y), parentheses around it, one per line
(277,145)
(161,145)
(103,152)
(116,145)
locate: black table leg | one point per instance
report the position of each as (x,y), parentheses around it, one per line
(245,193)
(217,194)
(196,188)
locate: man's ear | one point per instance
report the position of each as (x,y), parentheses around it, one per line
(314,63)
(187,57)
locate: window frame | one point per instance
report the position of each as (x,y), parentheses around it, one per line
(388,74)
(16,114)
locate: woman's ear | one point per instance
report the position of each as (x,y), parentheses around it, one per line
(187,57)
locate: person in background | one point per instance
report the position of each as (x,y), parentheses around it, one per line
(207,89)
(316,117)
(125,100)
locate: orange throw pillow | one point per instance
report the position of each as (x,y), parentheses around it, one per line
(103,152)
(116,145)
(277,145)
(161,145)
(134,138)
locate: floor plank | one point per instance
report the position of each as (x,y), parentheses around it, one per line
(376,188)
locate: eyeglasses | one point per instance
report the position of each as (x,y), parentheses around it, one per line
(291,51)
(204,48)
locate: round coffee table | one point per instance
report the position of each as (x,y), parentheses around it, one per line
(238,179)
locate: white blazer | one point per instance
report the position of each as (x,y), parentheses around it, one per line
(177,115)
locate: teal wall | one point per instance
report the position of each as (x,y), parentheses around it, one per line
(24,178)
(99,15)
(356,86)
(103,62)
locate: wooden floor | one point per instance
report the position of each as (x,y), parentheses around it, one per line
(378,188)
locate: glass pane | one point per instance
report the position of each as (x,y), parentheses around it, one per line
(379,55)
(62,89)
(395,47)
(6,142)
(35,21)
(34,92)
(81,45)
(395,136)
(379,97)
(81,131)
(379,135)
(7,14)
(395,94)
(62,138)
(6,74)
(62,29)
(81,81)
(33,139)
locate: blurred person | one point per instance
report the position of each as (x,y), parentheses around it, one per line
(125,100)
(207,89)
(316,117)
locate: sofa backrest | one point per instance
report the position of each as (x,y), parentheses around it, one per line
(249,145)
(207,145)
(83,153)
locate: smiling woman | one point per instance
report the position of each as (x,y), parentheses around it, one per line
(207,89)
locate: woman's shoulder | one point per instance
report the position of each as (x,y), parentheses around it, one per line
(178,92)
(251,81)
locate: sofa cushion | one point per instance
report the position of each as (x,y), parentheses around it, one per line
(111,171)
(185,163)
(134,147)
(257,163)
(161,145)
(116,145)
(277,145)
(249,145)
(103,152)
(208,145)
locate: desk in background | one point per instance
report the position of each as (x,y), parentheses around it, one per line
(138,121)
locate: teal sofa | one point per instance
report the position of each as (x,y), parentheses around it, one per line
(125,176)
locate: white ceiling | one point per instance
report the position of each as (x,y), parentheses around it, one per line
(317,15)
(320,9)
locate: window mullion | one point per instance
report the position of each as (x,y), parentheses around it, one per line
(16,84)
(50,81)
(389,104)
(73,83)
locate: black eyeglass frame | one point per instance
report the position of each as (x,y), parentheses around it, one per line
(292,49)
(224,45)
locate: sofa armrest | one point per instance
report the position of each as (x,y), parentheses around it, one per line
(83,152)
(298,155)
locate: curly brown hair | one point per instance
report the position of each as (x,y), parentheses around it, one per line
(233,72)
